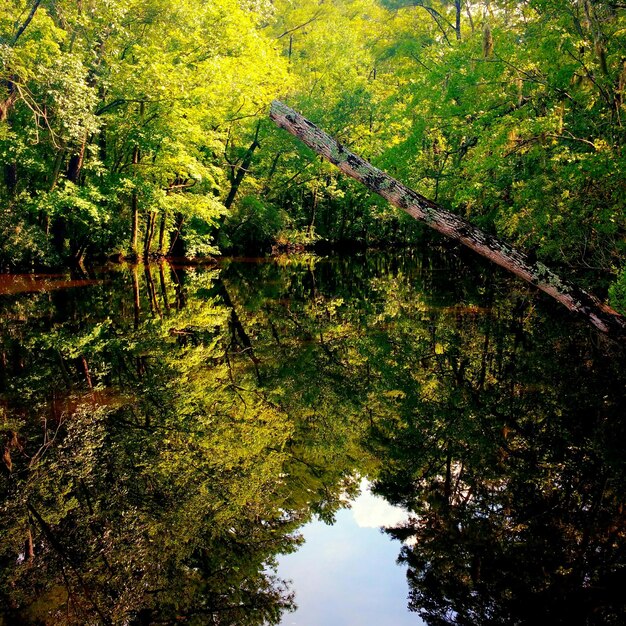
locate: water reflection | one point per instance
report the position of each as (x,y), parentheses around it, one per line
(167,432)
(346,574)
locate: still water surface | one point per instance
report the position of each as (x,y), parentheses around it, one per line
(171,435)
(347,573)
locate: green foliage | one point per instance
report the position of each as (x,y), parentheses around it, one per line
(113,115)
(137,128)
(617,293)
(252,225)
(514,120)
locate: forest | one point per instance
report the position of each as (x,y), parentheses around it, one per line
(209,335)
(139,129)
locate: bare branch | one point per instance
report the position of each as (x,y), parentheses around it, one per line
(295,28)
(28,20)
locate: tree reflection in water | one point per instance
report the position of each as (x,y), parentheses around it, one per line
(166,432)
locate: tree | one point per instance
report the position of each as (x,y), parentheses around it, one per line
(114,120)
(449,224)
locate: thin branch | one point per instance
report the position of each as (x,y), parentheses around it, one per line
(420,62)
(295,28)
(591,77)
(37,112)
(28,20)
(436,16)
(107,107)
(530,76)
(570,137)
(185,185)
(519,144)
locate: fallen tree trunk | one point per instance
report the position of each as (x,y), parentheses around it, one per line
(536,273)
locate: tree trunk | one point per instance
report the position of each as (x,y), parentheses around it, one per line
(272,170)
(136,159)
(311,225)
(56,170)
(152,299)
(239,171)
(174,240)
(162,227)
(27,21)
(178,290)
(536,273)
(29,548)
(75,164)
(166,303)
(84,367)
(136,300)
(147,244)
(134,208)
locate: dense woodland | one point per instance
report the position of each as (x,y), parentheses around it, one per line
(166,430)
(139,128)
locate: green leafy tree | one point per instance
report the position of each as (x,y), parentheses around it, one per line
(114,121)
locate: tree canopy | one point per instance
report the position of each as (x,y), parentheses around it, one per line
(139,128)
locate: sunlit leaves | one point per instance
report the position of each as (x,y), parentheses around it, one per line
(98,92)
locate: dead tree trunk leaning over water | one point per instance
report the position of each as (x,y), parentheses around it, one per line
(536,273)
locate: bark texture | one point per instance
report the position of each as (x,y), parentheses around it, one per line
(536,273)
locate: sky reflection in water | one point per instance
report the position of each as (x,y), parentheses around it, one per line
(346,574)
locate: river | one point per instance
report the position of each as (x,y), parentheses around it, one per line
(187,444)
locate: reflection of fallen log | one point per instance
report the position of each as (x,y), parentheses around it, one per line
(575,299)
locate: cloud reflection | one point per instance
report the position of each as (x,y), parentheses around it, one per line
(371,511)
